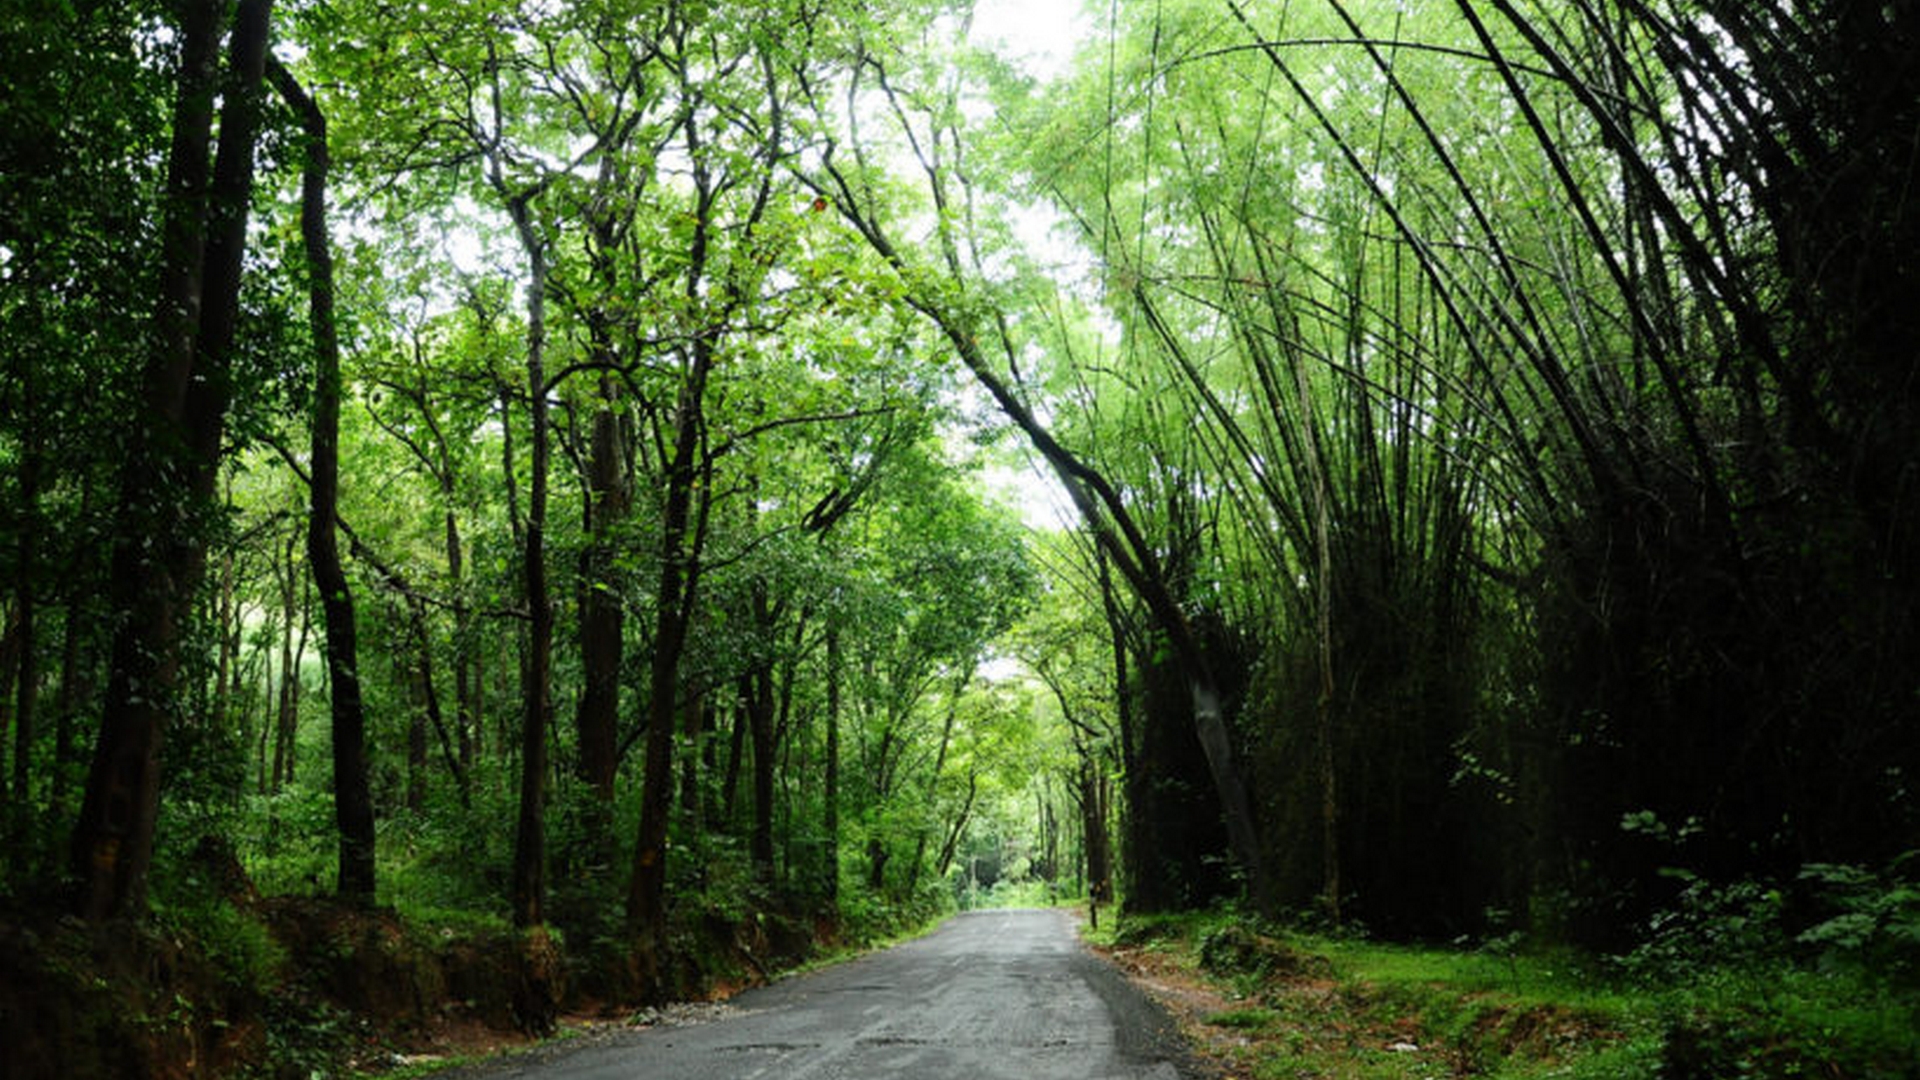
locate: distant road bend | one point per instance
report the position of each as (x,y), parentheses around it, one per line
(992,995)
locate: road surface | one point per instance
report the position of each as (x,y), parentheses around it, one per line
(992,994)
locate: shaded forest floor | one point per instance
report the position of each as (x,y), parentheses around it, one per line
(1265,1004)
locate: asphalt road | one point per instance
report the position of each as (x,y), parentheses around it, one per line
(993,994)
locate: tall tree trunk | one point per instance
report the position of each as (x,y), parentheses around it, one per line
(352,790)
(530,840)
(831,794)
(266,769)
(7,667)
(877,858)
(516,526)
(466,675)
(78,648)
(228,631)
(1093,826)
(290,717)
(1048,867)
(760,714)
(9,633)
(426,707)
(789,737)
(1134,771)
(736,752)
(933,778)
(1323,651)
(1090,793)
(675,596)
(534,994)
(602,614)
(286,697)
(693,763)
(75,670)
(26,685)
(174,452)
(951,844)
(608,502)
(646,895)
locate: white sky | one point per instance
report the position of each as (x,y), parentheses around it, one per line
(1043,504)
(1039,34)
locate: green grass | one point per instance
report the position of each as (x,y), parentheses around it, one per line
(1321,1006)
(1245,1019)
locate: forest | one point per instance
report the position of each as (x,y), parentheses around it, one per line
(526,503)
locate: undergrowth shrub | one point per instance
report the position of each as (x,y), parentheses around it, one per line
(1872,922)
(1710,928)
(1236,950)
(1764,980)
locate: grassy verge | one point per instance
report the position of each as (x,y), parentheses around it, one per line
(1266,1004)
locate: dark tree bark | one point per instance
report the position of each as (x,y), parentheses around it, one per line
(1093,826)
(428,715)
(79,651)
(609,501)
(697,762)
(466,675)
(286,712)
(602,615)
(26,685)
(352,792)
(226,618)
(760,714)
(831,794)
(27,667)
(1091,794)
(877,859)
(736,751)
(1047,866)
(288,728)
(425,711)
(677,587)
(788,737)
(530,839)
(961,679)
(760,718)
(9,662)
(957,829)
(173,455)
(534,992)
(76,687)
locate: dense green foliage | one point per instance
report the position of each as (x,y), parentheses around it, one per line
(1489,430)
(1460,361)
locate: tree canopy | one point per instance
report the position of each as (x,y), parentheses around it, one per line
(1489,431)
